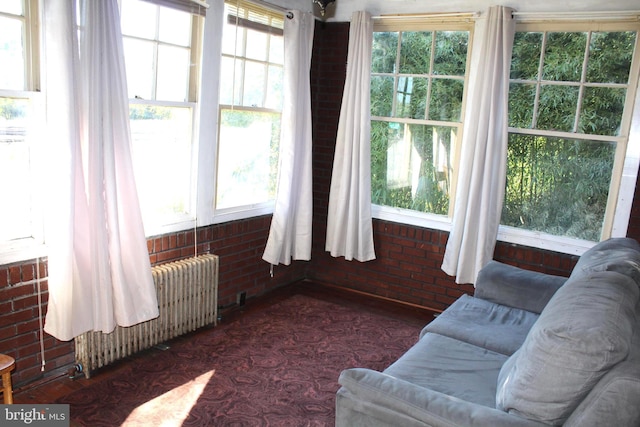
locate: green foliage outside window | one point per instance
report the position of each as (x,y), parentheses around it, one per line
(566,103)
(559,183)
(417,86)
(557,186)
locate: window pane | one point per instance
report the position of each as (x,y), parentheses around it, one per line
(383,58)
(161,139)
(276,50)
(411,97)
(254,85)
(602,110)
(558,186)
(610,56)
(257,45)
(274,88)
(557,107)
(138,19)
(230,91)
(381,96)
(15,168)
(247,158)
(451,53)
(521,103)
(12,59)
(175,27)
(232,39)
(411,166)
(526,55)
(564,56)
(173,74)
(11,6)
(139,60)
(415,52)
(446,100)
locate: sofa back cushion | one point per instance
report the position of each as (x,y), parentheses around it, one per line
(617,254)
(584,330)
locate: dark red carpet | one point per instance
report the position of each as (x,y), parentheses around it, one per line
(274,367)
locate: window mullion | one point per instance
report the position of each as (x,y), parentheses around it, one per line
(396,77)
(583,79)
(536,101)
(434,34)
(243,68)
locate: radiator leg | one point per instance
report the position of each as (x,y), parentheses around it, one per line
(76,371)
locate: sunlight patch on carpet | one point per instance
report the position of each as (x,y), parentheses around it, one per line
(180,399)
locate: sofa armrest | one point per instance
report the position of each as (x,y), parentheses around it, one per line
(515,287)
(370,398)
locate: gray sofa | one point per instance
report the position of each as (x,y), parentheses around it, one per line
(528,349)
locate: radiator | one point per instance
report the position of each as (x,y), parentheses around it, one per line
(187,299)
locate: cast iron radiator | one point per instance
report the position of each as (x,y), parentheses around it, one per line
(187,299)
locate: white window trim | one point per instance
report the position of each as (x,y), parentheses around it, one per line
(208,119)
(34,246)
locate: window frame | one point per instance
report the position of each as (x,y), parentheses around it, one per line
(627,158)
(457,22)
(249,210)
(33,246)
(179,221)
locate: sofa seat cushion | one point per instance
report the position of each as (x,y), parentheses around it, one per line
(451,367)
(485,324)
(584,331)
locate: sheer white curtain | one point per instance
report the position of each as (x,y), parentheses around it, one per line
(290,233)
(483,164)
(349,224)
(99,270)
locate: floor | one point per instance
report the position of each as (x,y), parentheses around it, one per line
(54,387)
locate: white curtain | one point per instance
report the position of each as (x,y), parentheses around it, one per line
(290,232)
(483,163)
(349,224)
(99,269)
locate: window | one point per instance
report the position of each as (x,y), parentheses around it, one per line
(572,91)
(21,224)
(570,102)
(418,83)
(250,107)
(162,54)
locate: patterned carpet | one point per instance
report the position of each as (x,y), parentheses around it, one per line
(274,367)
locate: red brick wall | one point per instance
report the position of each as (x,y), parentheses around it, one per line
(239,244)
(20,322)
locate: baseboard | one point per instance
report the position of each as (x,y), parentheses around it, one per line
(374,296)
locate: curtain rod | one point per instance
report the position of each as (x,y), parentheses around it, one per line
(430,15)
(271,6)
(202,3)
(621,14)
(275,8)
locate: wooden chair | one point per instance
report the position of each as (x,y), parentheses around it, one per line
(7,363)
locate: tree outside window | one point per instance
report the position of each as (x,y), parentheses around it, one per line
(567,100)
